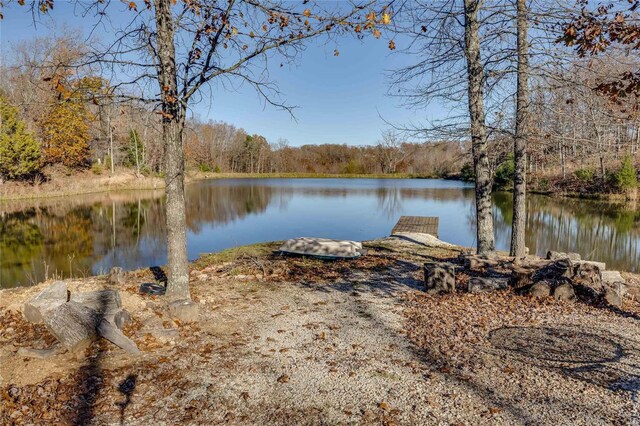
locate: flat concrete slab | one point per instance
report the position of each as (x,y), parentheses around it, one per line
(417,224)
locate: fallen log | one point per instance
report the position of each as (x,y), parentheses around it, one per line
(600,265)
(564,292)
(556,270)
(521,278)
(540,289)
(476,263)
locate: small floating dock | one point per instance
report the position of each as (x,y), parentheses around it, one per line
(417,224)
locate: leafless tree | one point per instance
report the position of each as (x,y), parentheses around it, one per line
(180,48)
(518,245)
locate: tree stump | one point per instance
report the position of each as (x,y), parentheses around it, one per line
(49,298)
(439,277)
(72,323)
(102,301)
(184,310)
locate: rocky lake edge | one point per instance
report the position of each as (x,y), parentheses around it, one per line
(284,339)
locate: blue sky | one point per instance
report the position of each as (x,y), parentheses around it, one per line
(341,99)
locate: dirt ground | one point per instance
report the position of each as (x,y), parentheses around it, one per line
(286,340)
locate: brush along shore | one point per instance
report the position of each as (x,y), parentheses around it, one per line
(293,340)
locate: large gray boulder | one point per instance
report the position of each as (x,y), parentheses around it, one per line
(564,292)
(540,289)
(611,278)
(587,279)
(439,277)
(613,297)
(555,255)
(49,298)
(481,285)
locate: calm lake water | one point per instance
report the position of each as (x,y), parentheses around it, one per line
(84,235)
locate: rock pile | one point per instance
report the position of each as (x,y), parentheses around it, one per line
(75,319)
(565,276)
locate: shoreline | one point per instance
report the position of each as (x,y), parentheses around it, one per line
(123,181)
(129,182)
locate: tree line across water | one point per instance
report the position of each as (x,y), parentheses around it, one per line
(57,112)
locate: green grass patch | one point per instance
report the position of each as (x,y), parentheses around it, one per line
(258,251)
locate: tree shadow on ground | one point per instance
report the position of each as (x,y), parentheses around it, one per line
(599,358)
(396,275)
(126,388)
(90,379)
(623,313)
(607,361)
(433,361)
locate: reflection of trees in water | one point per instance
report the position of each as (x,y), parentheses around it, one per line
(67,238)
(597,230)
(221,204)
(89,235)
(21,242)
(37,242)
(389,201)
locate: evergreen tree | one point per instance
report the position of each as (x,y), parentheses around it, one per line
(626,178)
(19,149)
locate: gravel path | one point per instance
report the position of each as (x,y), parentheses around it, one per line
(292,341)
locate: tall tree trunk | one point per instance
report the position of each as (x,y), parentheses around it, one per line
(172,127)
(518,247)
(110,142)
(475,71)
